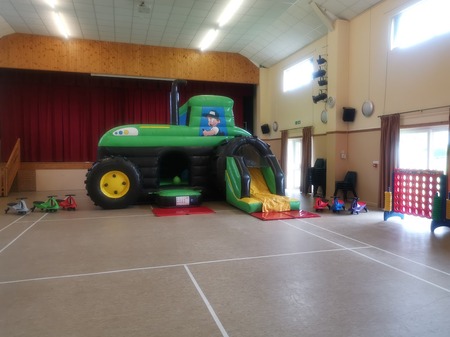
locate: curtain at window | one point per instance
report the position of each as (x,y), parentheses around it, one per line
(284,150)
(305,186)
(389,153)
(448,153)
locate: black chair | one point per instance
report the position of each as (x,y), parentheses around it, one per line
(348,184)
(318,176)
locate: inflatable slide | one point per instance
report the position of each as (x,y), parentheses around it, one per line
(254,181)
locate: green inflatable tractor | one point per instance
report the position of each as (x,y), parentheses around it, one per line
(179,164)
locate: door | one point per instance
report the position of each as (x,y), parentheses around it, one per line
(294,161)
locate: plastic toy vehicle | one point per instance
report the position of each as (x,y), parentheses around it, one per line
(143,161)
(68,202)
(50,205)
(19,207)
(337,205)
(357,206)
(320,205)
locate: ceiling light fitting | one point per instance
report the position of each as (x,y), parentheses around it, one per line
(208,39)
(60,23)
(224,17)
(51,3)
(229,12)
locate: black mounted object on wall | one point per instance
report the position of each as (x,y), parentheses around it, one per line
(320,97)
(321,60)
(265,128)
(319,73)
(349,114)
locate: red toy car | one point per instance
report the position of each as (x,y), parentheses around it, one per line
(319,204)
(68,202)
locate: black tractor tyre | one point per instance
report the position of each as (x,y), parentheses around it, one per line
(113,183)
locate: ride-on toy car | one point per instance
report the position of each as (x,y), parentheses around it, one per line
(19,207)
(50,205)
(320,204)
(357,206)
(337,205)
(68,202)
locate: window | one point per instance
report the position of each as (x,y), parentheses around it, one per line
(298,75)
(424,148)
(420,22)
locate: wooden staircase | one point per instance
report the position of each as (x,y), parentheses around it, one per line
(9,170)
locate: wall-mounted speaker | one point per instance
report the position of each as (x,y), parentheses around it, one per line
(265,128)
(349,114)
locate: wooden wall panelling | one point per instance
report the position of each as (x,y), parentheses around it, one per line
(24,51)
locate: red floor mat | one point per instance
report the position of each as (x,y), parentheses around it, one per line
(181,211)
(284,215)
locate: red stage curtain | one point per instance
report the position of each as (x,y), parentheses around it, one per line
(61,116)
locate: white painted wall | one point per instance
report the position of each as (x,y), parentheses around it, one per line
(362,67)
(60,180)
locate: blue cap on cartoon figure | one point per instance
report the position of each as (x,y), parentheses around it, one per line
(212,113)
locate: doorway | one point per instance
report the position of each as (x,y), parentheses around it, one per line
(294,161)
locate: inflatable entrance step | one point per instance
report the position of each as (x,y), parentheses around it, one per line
(180,197)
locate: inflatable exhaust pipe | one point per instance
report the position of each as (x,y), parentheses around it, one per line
(174,101)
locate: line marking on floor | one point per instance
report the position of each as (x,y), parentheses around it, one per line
(380,249)
(12,223)
(371,258)
(23,232)
(342,248)
(47,278)
(205,300)
(102,217)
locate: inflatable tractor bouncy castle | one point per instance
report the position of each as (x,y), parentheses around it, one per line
(200,155)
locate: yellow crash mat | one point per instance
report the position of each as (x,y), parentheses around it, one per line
(260,191)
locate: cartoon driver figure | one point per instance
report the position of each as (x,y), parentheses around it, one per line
(213,121)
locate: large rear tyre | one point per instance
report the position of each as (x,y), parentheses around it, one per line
(113,183)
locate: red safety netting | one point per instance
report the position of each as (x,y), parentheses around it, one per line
(414,190)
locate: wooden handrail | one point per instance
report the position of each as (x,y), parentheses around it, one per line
(9,171)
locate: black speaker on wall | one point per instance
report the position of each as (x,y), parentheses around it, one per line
(349,114)
(265,128)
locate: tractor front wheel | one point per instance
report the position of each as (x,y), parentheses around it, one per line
(113,183)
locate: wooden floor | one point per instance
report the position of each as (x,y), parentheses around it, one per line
(93,272)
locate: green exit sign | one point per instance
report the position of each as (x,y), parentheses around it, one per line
(298,122)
